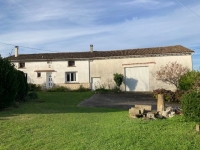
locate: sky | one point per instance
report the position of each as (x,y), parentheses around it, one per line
(47,26)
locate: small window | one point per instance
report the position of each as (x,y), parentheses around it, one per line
(22,65)
(38,74)
(71,76)
(49,62)
(71,63)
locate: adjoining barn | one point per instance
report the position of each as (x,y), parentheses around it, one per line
(94,69)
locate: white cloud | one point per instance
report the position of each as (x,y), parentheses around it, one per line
(76,28)
(150,4)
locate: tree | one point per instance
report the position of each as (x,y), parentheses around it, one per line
(22,86)
(118,78)
(8,83)
(171,73)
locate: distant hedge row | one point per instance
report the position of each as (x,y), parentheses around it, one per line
(13,84)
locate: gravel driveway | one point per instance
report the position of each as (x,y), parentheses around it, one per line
(124,100)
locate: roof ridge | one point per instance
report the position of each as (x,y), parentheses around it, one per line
(175,49)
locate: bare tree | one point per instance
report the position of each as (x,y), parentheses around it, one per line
(171,73)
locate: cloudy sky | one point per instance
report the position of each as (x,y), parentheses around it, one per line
(72,25)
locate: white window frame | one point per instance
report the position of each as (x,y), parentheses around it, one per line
(72,76)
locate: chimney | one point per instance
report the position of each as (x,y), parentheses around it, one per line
(91,48)
(16,51)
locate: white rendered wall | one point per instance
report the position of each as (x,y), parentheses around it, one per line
(105,68)
(61,67)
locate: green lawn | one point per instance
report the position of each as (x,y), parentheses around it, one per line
(59,124)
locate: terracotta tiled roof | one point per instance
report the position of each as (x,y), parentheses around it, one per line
(178,49)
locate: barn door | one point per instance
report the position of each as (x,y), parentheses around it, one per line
(137,79)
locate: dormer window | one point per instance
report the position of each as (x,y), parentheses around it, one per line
(71,63)
(22,65)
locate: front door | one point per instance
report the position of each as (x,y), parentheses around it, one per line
(95,83)
(49,82)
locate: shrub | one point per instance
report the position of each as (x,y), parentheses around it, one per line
(186,81)
(58,89)
(82,89)
(190,104)
(178,94)
(33,95)
(118,78)
(34,87)
(169,95)
(8,83)
(22,86)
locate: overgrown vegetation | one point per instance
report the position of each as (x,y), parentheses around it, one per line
(13,85)
(169,95)
(190,104)
(188,80)
(82,89)
(40,125)
(58,89)
(65,89)
(171,73)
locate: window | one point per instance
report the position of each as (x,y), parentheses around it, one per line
(22,65)
(38,74)
(71,63)
(70,76)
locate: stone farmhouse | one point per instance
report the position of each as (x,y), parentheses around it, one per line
(94,69)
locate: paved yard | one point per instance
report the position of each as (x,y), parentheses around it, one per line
(124,100)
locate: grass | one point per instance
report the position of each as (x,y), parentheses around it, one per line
(57,123)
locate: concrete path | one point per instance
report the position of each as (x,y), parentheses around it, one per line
(124,100)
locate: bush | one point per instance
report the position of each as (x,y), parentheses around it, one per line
(178,94)
(186,81)
(33,95)
(34,87)
(168,95)
(22,86)
(118,78)
(8,83)
(58,89)
(82,89)
(190,104)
